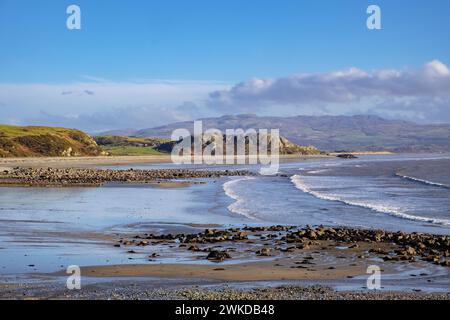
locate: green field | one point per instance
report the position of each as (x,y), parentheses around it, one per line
(130,146)
(131,151)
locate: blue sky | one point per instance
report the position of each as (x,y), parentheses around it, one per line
(227,40)
(212,45)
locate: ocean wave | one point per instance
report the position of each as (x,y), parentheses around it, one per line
(238,206)
(300,184)
(436,184)
(318,171)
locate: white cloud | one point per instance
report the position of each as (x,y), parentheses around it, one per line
(343,92)
(421,94)
(437,68)
(103,104)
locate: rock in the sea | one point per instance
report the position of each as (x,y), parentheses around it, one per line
(218,255)
(410,251)
(391,246)
(346,156)
(303,246)
(445,263)
(378,251)
(264,252)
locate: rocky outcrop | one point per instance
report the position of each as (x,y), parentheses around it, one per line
(217,142)
(389,246)
(217,255)
(434,248)
(72,176)
(346,156)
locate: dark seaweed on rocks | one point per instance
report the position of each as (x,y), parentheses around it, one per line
(433,248)
(429,247)
(72,176)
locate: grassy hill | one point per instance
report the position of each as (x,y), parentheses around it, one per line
(332,133)
(33,141)
(130,146)
(118,145)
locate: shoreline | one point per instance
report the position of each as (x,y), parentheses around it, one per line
(77,177)
(303,258)
(82,162)
(256,261)
(315,268)
(64,162)
(192,290)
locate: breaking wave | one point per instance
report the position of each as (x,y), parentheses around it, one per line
(238,206)
(436,184)
(300,184)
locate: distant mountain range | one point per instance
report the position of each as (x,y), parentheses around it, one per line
(331,133)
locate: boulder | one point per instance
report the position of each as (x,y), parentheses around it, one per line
(346,156)
(264,252)
(218,255)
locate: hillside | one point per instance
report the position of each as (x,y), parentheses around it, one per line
(130,146)
(333,133)
(117,145)
(16,141)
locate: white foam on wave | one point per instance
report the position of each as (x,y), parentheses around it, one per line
(300,184)
(238,206)
(422,181)
(318,171)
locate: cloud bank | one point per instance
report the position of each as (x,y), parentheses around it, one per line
(420,94)
(104,105)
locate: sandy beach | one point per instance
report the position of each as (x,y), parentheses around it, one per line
(83,162)
(160,260)
(80,162)
(309,266)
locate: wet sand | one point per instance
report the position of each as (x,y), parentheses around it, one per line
(273,253)
(83,162)
(243,262)
(248,271)
(281,270)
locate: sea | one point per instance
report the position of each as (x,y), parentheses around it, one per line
(40,227)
